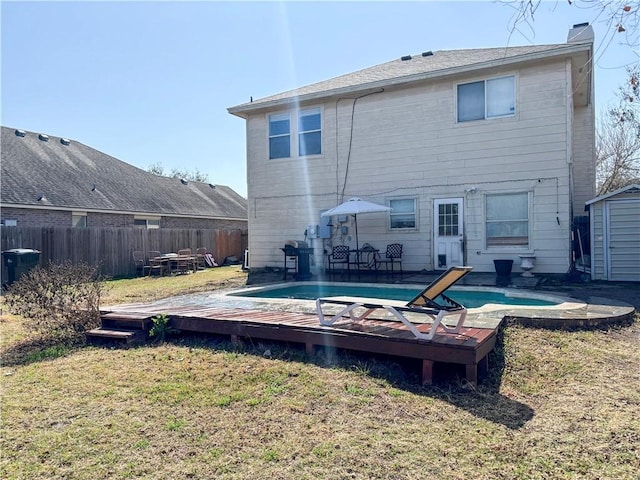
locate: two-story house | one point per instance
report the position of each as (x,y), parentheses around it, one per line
(482,154)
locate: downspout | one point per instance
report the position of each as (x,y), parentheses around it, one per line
(570,139)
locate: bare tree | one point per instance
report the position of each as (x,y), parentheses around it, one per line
(628,109)
(194,175)
(156,169)
(617,154)
(622,18)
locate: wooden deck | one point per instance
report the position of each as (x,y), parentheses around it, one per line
(469,348)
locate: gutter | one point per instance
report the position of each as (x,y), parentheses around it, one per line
(119,212)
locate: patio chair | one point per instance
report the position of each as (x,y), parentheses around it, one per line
(431,302)
(200,257)
(367,259)
(157,264)
(339,256)
(393,256)
(140,262)
(185,261)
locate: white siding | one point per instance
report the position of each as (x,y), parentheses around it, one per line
(406,142)
(584,159)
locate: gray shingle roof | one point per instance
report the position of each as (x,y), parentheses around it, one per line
(66,176)
(419,67)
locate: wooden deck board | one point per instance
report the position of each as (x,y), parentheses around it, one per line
(469,347)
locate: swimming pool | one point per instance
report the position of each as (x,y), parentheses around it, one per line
(471,297)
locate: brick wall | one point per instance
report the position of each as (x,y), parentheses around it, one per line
(179,222)
(56,218)
(36,218)
(109,220)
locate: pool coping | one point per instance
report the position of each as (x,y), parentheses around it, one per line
(569,313)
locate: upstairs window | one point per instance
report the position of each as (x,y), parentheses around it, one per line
(279,136)
(507,217)
(295,134)
(486,99)
(309,132)
(403,213)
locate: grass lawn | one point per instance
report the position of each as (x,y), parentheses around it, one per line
(559,405)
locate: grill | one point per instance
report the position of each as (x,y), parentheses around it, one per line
(297,252)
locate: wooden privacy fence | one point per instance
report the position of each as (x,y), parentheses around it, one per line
(112,248)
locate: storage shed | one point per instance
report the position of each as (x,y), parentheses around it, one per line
(615,235)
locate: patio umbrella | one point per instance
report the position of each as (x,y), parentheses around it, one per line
(355,206)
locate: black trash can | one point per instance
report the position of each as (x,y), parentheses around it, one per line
(19,261)
(303,252)
(503,267)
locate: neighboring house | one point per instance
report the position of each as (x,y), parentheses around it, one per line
(482,154)
(615,235)
(56,182)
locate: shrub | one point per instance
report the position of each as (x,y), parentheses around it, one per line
(60,300)
(161,327)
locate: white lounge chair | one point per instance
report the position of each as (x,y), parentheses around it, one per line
(425,303)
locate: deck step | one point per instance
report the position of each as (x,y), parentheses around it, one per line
(101,334)
(126,321)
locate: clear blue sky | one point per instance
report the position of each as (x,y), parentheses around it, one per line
(150,82)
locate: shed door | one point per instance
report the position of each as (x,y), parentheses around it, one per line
(447,232)
(623,240)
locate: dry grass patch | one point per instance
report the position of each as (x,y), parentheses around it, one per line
(563,405)
(146,289)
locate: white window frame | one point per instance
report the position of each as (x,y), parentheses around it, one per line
(414,213)
(295,131)
(150,222)
(278,117)
(301,132)
(78,215)
(528,220)
(486,100)
(10,222)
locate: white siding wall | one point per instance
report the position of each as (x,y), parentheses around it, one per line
(406,143)
(584,159)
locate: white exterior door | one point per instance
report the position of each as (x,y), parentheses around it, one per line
(447,232)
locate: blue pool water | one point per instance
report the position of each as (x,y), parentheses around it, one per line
(468,298)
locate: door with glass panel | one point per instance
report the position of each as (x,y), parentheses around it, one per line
(448,234)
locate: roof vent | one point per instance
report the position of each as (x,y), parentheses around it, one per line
(212,186)
(93,188)
(20,133)
(43,137)
(183,181)
(65,141)
(405,58)
(40,197)
(427,54)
